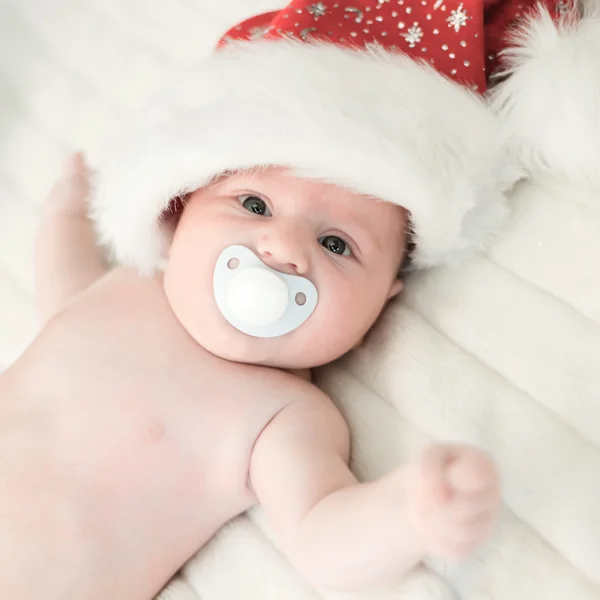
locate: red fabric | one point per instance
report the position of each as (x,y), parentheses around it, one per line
(461,39)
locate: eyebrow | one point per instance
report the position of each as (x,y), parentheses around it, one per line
(359,224)
(227,176)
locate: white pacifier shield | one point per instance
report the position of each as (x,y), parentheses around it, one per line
(258,296)
(257,299)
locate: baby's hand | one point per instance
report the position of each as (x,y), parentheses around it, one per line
(454,500)
(69,194)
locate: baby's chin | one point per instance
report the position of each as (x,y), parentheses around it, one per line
(290,351)
(267,352)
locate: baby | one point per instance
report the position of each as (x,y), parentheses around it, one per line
(258,229)
(140,420)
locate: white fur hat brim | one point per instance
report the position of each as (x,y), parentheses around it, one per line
(379,123)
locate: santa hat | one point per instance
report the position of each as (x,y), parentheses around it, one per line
(380,96)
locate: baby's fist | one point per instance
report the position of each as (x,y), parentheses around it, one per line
(454,500)
(70,193)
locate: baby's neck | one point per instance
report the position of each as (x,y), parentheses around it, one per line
(305,374)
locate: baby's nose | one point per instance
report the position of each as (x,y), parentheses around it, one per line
(285,248)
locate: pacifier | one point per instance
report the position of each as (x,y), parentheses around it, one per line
(258,300)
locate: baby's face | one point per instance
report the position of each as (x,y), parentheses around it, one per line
(348,245)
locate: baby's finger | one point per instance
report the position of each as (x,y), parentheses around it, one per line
(75,166)
(459,543)
(479,525)
(472,472)
(464,506)
(434,464)
(481,522)
(70,193)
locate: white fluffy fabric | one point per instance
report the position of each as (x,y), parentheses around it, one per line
(503,352)
(378,123)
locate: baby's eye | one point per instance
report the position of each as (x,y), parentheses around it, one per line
(256,205)
(336,245)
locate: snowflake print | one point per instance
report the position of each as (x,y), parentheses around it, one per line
(413,35)
(306,32)
(458,18)
(317,10)
(357,12)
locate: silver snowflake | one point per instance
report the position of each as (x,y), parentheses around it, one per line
(317,10)
(357,12)
(306,32)
(458,18)
(413,35)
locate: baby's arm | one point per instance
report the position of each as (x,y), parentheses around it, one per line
(344,535)
(67,258)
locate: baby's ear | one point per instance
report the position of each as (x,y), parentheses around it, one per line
(395,288)
(170,219)
(167,230)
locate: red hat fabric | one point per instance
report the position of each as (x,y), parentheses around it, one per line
(460,38)
(372,95)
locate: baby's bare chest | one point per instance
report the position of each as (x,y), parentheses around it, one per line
(122,363)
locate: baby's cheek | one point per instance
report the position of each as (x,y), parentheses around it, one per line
(185,289)
(342,322)
(357,309)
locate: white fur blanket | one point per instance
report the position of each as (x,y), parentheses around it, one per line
(503,352)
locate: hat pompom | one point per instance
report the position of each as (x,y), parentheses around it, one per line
(550,102)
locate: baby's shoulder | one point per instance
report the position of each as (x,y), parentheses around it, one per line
(122,289)
(312,413)
(129,280)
